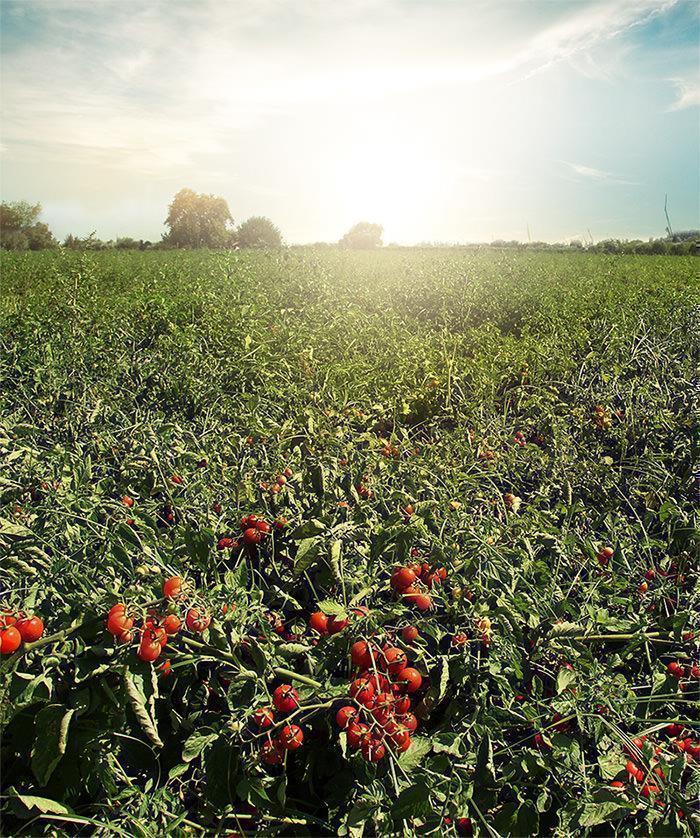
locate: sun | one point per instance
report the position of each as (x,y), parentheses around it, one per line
(385,176)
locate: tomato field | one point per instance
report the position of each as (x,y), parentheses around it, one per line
(313,542)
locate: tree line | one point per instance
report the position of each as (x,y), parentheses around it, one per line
(196,220)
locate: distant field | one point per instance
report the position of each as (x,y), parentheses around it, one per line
(501,417)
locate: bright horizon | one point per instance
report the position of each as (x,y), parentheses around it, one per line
(441,121)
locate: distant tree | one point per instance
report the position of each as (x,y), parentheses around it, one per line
(363,236)
(258,231)
(90,242)
(198,221)
(20,228)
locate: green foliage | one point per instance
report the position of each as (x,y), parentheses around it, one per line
(363,236)
(258,231)
(197,220)
(406,373)
(20,228)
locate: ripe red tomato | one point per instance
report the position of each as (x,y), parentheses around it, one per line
(675,669)
(116,609)
(148,650)
(263,717)
(252,536)
(7,618)
(410,679)
(118,622)
(172,624)
(263,527)
(127,501)
(402,704)
(356,731)
(281,523)
(281,480)
(285,698)
(30,628)
(373,750)
(158,634)
(172,587)
(345,716)
(319,622)
(409,634)
(271,753)
(414,597)
(395,660)
(459,639)
(291,737)
(360,654)
(617,784)
(362,691)
(225,543)
(126,637)
(648,789)
(464,826)
(336,624)
(410,722)
(197,622)
(177,480)
(402,578)
(10,640)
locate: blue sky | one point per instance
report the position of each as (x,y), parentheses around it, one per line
(444,121)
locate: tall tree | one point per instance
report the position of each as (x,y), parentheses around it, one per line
(258,231)
(363,236)
(197,220)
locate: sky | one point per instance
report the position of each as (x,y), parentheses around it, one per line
(443,120)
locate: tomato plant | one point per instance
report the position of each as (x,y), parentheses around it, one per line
(321,542)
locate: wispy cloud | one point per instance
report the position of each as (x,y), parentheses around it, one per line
(590,173)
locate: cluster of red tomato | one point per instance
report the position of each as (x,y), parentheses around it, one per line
(156,628)
(390,451)
(381,689)
(16,629)
(324,624)
(254,530)
(519,439)
(647,779)
(290,737)
(680,671)
(279,482)
(412,580)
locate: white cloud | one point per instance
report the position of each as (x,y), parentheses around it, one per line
(687,92)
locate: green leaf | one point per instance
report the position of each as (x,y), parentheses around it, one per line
(593,814)
(333,609)
(14,529)
(138,694)
(444,677)
(195,744)
(308,529)
(447,743)
(50,740)
(413,757)
(564,679)
(309,549)
(413,801)
(528,819)
(42,804)
(485,773)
